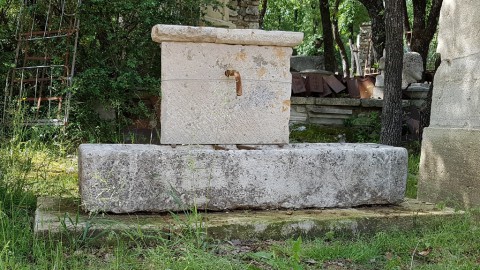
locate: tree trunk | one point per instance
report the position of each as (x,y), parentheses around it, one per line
(328,45)
(338,40)
(263,11)
(376,11)
(424,28)
(391,132)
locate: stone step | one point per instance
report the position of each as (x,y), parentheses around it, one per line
(159,178)
(57,218)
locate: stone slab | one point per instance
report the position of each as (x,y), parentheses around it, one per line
(450,167)
(56,217)
(200,104)
(179,33)
(195,61)
(338,101)
(302,100)
(213,114)
(159,178)
(302,62)
(330,110)
(326,121)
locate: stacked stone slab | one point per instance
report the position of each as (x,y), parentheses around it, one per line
(206,124)
(200,104)
(450,162)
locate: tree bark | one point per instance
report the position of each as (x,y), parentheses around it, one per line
(263,11)
(376,11)
(338,40)
(328,45)
(391,131)
(424,28)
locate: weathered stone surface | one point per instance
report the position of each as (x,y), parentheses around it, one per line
(338,101)
(208,62)
(450,166)
(459,34)
(302,100)
(417,90)
(53,220)
(330,110)
(131,178)
(196,112)
(200,104)
(302,63)
(412,68)
(380,81)
(456,96)
(449,170)
(179,33)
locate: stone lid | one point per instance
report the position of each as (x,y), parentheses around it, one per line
(162,33)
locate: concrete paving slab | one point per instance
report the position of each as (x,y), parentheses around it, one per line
(64,219)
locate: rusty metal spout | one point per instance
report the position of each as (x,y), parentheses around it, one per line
(238,80)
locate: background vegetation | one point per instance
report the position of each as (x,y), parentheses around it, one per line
(118,64)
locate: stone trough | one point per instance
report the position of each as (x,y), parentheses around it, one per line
(225,115)
(148,178)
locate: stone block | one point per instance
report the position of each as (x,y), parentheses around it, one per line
(298,118)
(156,178)
(450,167)
(330,110)
(298,108)
(252,10)
(254,25)
(329,116)
(302,100)
(302,63)
(200,104)
(338,101)
(179,33)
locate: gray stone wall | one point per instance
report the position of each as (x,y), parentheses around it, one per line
(334,111)
(244,14)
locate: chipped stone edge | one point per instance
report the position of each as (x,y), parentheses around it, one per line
(179,33)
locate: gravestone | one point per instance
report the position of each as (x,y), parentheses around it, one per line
(225,114)
(450,161)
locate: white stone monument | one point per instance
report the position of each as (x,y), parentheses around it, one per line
(222,89)
(450,160)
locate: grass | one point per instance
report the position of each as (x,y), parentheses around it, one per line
(32,168)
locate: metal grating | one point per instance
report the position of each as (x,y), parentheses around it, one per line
(38,87)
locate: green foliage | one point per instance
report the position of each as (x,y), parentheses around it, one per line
(304,16)
(412,177)
(8,9)
(351,14)
(367,127)
(118,62)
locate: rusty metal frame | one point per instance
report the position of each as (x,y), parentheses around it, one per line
(34,82)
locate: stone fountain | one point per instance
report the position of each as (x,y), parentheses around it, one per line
(224,135)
